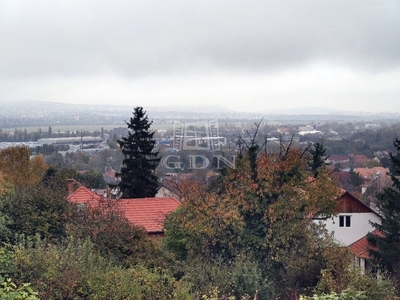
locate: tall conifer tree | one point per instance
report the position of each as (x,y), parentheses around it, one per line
(318,155)
(137,177)
(387,255)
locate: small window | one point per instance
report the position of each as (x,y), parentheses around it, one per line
(344,221)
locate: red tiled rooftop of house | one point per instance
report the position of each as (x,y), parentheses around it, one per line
(149,213)
(84,196)
(338,158)
(368,173)
(361,247)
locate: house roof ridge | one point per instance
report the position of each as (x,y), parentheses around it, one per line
(343,192)
(149,212)
(361,247)
(149,198)
(85,189)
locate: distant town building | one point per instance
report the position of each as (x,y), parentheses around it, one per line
(31,145)
(86,140)
(121,131)
(372,126)
(337,159)
(310,132)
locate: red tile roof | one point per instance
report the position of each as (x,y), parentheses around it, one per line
(368,173)
(149,213)
(338,158)
(84,196)
(361,247)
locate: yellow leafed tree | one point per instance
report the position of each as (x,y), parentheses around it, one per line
(19,168)
(263,209)
(4,186)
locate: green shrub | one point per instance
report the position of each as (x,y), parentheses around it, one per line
(238,278)
(355,285)
(10,291)
(6,261)
(134,283)
(75,270)
(344,295)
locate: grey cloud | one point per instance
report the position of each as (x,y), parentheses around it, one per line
(135,38)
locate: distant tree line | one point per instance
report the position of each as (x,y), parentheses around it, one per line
(365,142)
(19,135)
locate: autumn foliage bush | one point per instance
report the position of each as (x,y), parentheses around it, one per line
(263,209)
(250,234)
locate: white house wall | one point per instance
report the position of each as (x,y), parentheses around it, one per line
(360,263)
(359,227)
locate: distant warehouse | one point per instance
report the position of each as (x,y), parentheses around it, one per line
(86,140)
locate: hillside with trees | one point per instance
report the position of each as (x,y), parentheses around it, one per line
(247,235)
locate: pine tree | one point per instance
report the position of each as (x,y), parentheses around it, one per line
(318,157)
(137,178)
(355,179)
(387,255)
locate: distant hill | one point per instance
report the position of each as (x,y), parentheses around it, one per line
(313,111)
(42,113)
(196,108)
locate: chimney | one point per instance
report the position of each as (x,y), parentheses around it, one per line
(72,186)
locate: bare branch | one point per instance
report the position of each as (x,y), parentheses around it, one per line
(289,146)
(306,150)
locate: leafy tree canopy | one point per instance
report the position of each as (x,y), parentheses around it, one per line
(19,168)
(41,208)
(264,209)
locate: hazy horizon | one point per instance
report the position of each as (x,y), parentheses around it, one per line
(248,56)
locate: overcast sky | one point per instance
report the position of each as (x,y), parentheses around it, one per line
(245,55)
